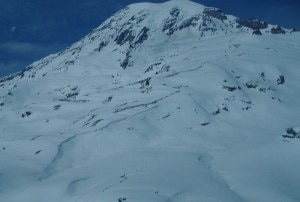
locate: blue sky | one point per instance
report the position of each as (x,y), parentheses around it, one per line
(32,29)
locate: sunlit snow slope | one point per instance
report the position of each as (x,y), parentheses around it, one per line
(171,102)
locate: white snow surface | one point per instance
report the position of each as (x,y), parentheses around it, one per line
(161,103)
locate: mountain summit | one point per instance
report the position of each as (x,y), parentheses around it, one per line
(162,102)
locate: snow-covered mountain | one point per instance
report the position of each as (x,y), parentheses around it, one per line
(172,102)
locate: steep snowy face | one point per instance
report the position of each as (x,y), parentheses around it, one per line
(162,102)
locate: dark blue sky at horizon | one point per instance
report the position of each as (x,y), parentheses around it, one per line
(32,29)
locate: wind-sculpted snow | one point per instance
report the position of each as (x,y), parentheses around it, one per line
(169,102)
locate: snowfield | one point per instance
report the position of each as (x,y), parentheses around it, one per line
(172,102)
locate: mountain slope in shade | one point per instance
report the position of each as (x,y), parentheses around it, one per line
(162,102)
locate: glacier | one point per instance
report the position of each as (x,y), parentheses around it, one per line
(170,102)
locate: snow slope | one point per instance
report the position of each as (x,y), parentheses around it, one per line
(172,102)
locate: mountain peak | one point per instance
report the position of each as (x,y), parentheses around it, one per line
(142,22)
(162,102)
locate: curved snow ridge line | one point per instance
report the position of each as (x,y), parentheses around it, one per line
(194,195)
(218,190)
(52,168)
(188,70)
(73,185)
(123,119)
(145,104)
(221,180)
(118,109)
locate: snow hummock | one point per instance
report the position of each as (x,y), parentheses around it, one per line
(159,103)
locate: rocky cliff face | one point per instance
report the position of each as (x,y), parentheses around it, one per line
(162,102)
